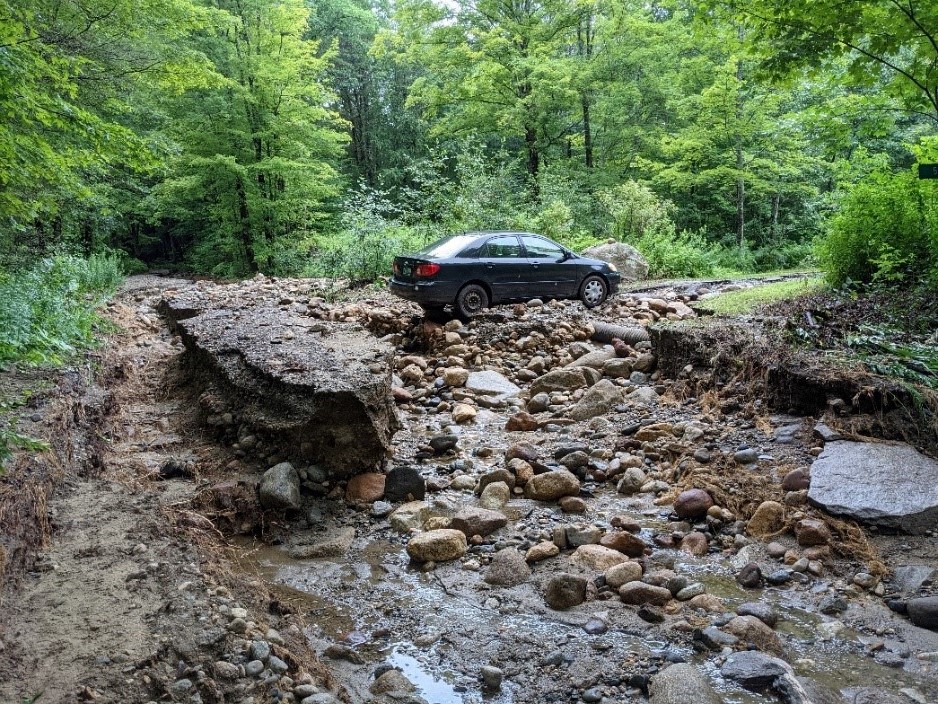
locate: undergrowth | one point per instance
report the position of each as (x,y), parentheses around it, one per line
(48,311)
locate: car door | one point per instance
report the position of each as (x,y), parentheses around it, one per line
(550,274)
(504,267)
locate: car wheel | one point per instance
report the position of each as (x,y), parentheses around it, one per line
(470,300)
(593,291)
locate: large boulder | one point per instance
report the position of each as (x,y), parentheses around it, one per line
(628,260)
(886,484)
(314,392)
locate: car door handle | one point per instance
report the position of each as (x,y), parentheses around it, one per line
(535,265)
(489,266)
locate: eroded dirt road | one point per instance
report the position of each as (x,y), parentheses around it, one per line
(165,580)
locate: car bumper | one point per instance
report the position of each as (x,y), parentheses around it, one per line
(430,293)
(614,279)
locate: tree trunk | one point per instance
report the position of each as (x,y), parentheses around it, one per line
(584,32)
(740,161)
(244,222)
(534,156)
(776,199)
(587,134)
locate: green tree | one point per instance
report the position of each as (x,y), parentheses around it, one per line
(493,67)
(385,135)
(257,151)
(75,77)
(896,36)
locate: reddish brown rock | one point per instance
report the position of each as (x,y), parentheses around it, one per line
(692,503)
(626,523)
(796,480)
(812,531)
(521,421)
(365,488)
(624,542)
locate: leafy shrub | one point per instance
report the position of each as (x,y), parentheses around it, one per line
(790,255)
(131,266)
(636,211)
(48,310)
(886,232)
(672,254)
(370,238)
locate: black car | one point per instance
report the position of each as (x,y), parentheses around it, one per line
(473,270)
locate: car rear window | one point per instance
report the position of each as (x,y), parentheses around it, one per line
(449,247)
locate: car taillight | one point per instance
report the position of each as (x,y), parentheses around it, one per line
(396,268)
(425,271)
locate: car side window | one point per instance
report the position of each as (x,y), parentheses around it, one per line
(502,248)
(539,248)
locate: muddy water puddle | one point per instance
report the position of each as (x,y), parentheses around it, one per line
(439,628)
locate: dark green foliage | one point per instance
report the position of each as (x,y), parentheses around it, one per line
(885,232)
(47,311)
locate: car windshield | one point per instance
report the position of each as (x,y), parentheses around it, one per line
(449,247)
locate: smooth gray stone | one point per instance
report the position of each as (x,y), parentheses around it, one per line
(886,484)
(908,578)
(681,684)
(754,670)
(491,383)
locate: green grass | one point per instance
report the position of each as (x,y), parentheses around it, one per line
(747,300)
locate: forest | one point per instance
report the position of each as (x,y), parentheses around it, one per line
(320,137)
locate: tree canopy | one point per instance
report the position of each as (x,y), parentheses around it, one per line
(286,136)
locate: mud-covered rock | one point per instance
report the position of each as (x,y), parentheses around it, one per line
(565,591)
(507,569)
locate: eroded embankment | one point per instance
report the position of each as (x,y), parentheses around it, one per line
(712,354)
(122,592)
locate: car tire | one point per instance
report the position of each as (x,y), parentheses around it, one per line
(593,291)
(471,300)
